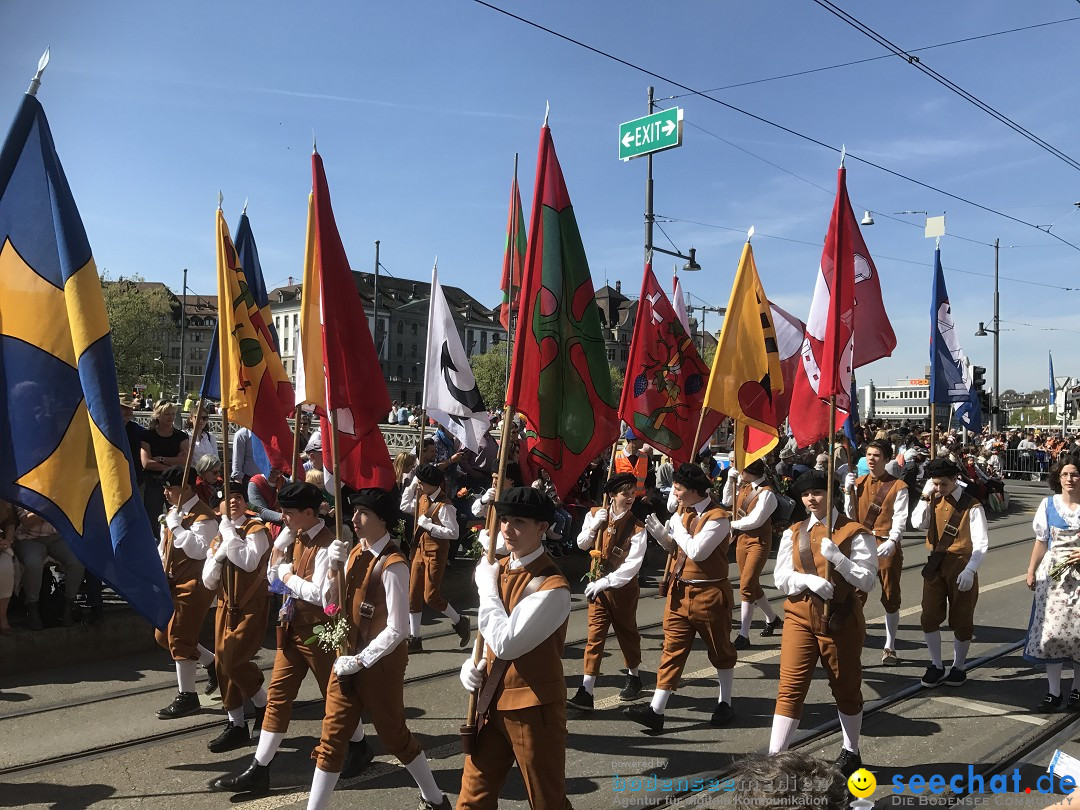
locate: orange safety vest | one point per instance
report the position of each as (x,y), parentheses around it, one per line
(640,470)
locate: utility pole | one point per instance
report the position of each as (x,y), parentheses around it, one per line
(375,307)
(649,217)
(997,338)
(181,381)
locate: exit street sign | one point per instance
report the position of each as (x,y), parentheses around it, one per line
(653,133)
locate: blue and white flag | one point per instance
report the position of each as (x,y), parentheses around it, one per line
(950,372)
(1053,389)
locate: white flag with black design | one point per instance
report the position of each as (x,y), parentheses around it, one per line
(451,396)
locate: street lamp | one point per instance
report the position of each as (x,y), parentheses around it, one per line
(161,388)
(691,265)
(982,331)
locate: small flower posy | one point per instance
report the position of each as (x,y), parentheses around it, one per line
(334,634)
(594,573)
(1058,572)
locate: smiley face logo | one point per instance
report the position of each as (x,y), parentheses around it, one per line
(862,783)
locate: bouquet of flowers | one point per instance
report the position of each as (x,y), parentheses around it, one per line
(1058,571)
(332,636)
(475,549)
(595,570)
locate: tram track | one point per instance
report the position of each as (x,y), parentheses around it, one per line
(216,719)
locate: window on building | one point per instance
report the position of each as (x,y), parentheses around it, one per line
(400,372)
(277,325)
(295,320)
(415,329)
(401,328)
(285,344)
(495,336)
(176,353)
(412,351)
(483,342)
(623,354)
(400,349)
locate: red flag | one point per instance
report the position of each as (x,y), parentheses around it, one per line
(560,379)
(355,388)
(514,257)
(847,326)
(665,378)
(789,337)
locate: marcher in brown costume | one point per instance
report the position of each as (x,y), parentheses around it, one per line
(190,528)
(521,708)
(823,615)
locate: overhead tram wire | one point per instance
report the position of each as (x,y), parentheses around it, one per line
(877,58)
(767,122)
(950,268)
(915,62)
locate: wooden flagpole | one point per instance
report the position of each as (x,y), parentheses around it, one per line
(334,595)
(183,483)
(296,442)
(226,471)
(829,495)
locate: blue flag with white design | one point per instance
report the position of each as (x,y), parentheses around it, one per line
(64,452)
(1053,388)
(950,372)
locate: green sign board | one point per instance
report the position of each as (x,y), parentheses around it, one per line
(653,133)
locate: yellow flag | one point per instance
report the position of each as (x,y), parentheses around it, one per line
(746,374)
(310,380)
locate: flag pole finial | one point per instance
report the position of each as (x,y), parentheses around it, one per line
(750,234)
(314,146)
(35,82)
(244,212)
(547,112)
(843,154)
(220,200)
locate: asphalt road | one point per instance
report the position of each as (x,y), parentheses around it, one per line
(95,725)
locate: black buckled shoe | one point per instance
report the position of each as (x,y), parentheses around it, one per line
(722,715)
(581,700)
(183,704)
(211,678)
(848,762)
(932,677)
(1050,703)
(357,758)
(415,644)
(741,643)
(632,690)
(464,630)
(426,805)
(644,714)
(1074,701)
(254,780)
(231,738)
(770,628)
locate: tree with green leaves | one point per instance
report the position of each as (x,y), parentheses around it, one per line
(141,317)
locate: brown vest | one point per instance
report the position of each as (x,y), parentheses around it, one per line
(183,568)
(536,678)
(242,588)
(843,533)
(613,539)
(303,562)
(866,490)
(715,566)
(745,500)
(961,544)
(365,594)
(430,507)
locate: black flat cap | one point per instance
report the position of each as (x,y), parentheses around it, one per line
(812,479)
(174,476)
(618,481)
(300,495)
(692,477)
(431,475)
(382,502)
(525,502)
(941,468)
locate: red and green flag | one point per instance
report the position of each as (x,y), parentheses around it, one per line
(514,256)
(560,379)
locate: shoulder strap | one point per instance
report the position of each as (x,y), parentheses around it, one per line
(952,527)
(874,509)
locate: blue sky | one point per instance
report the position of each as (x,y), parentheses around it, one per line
(419,108)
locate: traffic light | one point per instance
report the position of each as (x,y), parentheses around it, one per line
(978,378)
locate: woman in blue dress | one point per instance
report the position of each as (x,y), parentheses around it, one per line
(1054,629)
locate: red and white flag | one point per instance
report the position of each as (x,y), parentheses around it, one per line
(847,326)
(789,338)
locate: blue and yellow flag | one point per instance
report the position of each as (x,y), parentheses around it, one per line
(63,449)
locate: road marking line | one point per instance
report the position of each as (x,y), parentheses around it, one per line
(992,709)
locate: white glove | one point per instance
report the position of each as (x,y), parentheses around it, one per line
(285,539)
(928,488)
(425,523)
(486,577)
(228,530)
(830,551)
(965,580)
(849,481)
(222,550)
(656,528)
(472,675)
(822,587)
(410,490)
(284,570)
(347,665)
(886,549)
(338,551)
(594,589)
(599,517)
(272,574)
(488,497)
(172,519)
